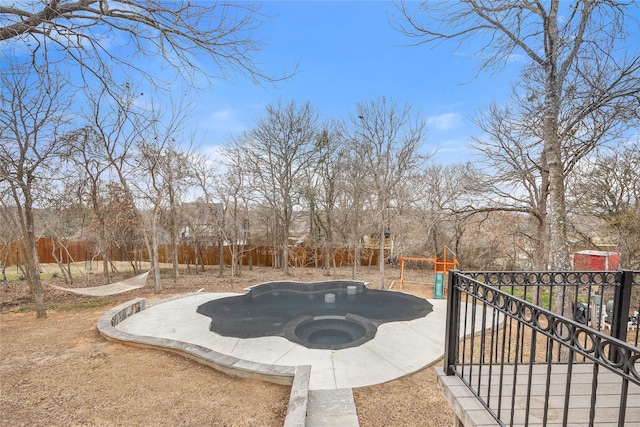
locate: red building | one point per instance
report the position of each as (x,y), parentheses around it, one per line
(596,261)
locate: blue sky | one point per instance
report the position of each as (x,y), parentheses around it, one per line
(346,53)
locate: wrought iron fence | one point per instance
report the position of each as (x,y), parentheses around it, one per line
(589,297)
(553,346)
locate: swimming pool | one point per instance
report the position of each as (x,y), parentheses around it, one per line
(334,314)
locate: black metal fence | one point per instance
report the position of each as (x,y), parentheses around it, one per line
(549,347)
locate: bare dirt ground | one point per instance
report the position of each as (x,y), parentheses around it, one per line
(59,371)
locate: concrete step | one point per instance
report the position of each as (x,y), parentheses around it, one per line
(330,408)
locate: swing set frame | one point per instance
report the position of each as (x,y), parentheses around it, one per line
(440,265)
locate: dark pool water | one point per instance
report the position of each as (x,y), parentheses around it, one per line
(299,312)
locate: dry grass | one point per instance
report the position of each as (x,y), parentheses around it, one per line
(60,371)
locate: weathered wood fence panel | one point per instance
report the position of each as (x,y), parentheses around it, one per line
(85,250)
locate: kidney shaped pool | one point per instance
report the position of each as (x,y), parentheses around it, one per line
(334,314)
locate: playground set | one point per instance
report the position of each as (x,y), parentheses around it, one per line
(442,263)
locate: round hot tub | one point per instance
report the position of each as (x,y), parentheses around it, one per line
(330,332)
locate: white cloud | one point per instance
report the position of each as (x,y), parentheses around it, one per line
(446,121)
(222,115)
(224,123)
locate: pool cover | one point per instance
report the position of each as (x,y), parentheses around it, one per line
(267,309)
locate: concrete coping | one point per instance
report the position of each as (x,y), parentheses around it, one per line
(296,376)
(298,398)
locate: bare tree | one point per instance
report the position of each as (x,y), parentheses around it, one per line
(204,222)
(100,150)
(437,199)
(122,224)
(511,146)
(152,178)
(9,231)
(137,149)
(385,137)
(607,188)
(518,178)
(175,169)
(90,167)
(233,190)
(276,153)
(353,198)
(33,112)
(565,42)
(64,217)
(321,194)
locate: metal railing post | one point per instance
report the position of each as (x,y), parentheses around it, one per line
(621,305)
(451,334)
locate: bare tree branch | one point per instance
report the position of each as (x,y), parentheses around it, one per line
(208,38)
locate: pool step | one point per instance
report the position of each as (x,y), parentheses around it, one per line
(328,408)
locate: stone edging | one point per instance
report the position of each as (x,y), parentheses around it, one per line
(296,376)
(298,398)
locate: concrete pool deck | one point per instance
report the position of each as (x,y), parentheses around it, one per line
(321,380)
(398,349)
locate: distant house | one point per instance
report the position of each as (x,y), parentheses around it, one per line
(372,240)
(205,224)
(201,222)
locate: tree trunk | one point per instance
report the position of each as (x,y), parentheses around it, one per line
(3,272)
(285,257)
(356,262)
(381,257)
(173,233)
(31,250)
(221,256)
(195,256)
(541,256)
(247,244)
(201,257)
(284,228)
(156,270)
(69,261)
(59,262)
(557,215)
(152,246)
(552,148)
(103,253)
(174,257)
(559,250)
(156,267)
(34,270)
(235,256)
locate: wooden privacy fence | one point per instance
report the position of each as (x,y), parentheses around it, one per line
(85,250)
(71,251)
